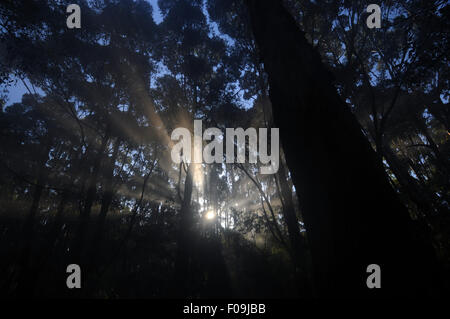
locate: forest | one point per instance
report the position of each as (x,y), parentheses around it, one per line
(87,178)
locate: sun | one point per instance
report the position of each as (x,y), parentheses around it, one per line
(210,215)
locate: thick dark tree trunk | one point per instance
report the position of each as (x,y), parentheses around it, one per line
(352,215)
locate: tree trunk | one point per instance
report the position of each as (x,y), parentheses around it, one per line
(26,282)
(90,197)
(184,242)
(296,240)
(105,204)
(407,184)
(352,215)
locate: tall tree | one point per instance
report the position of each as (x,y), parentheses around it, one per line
(352,215)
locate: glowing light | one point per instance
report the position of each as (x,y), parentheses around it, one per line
(198,176)
(210,215)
